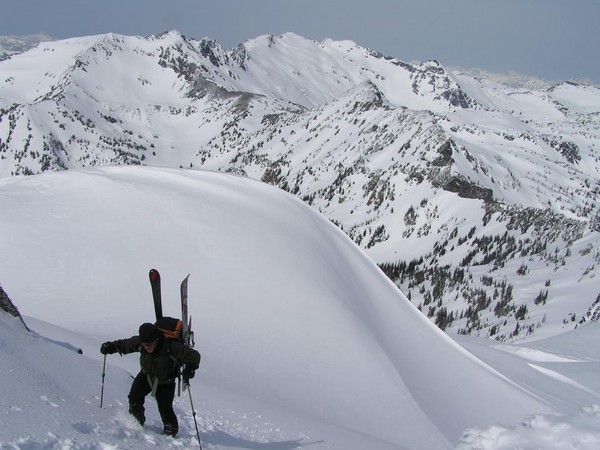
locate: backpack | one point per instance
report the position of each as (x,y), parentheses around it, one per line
(171,327)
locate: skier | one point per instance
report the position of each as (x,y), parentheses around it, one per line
(160,360)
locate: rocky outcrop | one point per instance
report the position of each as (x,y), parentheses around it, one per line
(7,305)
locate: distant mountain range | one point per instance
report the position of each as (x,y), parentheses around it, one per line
(13,45)
(478,196)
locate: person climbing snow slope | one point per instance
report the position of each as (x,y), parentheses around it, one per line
(162,361)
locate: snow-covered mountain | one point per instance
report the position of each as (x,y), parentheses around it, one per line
(13,45)
(480,199)
(305,342)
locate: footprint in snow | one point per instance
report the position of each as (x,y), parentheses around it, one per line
(83,427)
(48,401)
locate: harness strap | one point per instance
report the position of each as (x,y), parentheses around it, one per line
(153,384)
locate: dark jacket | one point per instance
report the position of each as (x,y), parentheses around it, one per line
(163,363)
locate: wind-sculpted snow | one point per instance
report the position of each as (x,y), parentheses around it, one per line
(287,310)
(304,341)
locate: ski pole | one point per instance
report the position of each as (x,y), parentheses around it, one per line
(194,415)
(103,373)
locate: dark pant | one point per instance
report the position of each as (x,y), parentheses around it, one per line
(165,393)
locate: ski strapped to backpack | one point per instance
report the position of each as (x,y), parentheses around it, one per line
(188,334)
(156,294)
(179,330)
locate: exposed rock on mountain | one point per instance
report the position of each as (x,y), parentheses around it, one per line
(8,306)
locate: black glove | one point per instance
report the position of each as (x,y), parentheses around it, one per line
(108,348)
(188,374)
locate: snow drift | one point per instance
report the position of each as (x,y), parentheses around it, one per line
(288,312)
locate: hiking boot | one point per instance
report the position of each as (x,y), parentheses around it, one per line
(170,429)
(137,411)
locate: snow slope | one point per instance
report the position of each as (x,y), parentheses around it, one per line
(304,341)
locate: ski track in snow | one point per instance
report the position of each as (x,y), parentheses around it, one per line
(534,355)
(559,377)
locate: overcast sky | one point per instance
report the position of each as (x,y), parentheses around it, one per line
(552,39)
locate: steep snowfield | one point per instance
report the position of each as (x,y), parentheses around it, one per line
(304,341)
(311,73)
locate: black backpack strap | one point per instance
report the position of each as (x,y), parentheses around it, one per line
(176,365)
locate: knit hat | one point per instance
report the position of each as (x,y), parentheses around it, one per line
(148,333)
